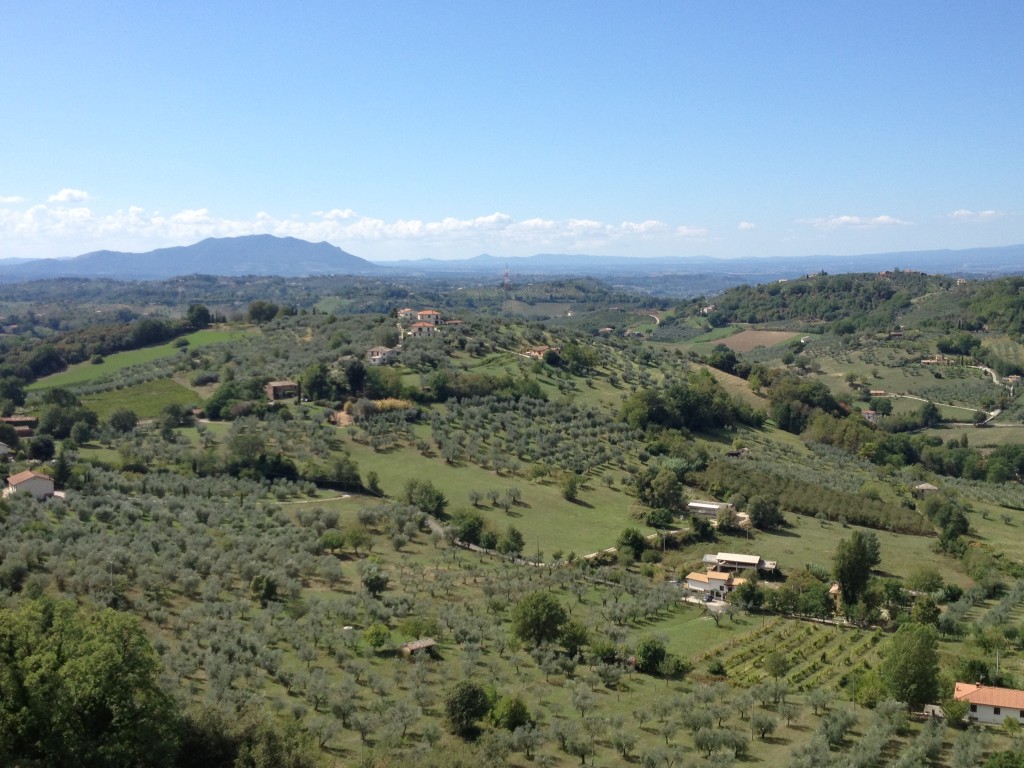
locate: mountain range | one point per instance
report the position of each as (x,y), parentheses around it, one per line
(291,257)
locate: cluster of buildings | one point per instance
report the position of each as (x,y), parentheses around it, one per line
(424,322)
(413,323)
(719,577)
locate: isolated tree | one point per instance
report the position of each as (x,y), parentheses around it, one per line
(538,618)
(198,316)
(650,654)
(763,724)
(261,311)
(777,664)
(423,495)
(123,420)
(571,487)
(41,448)
(464,706)
(574,637)
(511,542)
(511,713)
(910,669)
(854,559)
(764,513)
(374,578)
(632,541)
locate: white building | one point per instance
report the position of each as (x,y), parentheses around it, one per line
(38,485)
(422,329)
(731,561)
(714,583)
(380,355)
(990,704)
(707,508)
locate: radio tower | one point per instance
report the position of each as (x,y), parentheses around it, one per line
(506,280)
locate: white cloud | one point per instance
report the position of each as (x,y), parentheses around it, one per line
(854,222)
(11,199)
(68,229)
(68,195)
(745,226)
(962,214)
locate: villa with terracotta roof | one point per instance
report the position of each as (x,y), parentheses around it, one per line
(990,704)
(431,316)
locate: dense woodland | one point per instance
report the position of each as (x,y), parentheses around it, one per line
(227,580)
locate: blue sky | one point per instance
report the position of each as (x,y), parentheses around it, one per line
(449,129)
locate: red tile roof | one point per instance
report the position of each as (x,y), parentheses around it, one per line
(989,695)
(28,474)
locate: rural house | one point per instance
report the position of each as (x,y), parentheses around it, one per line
(422,329)
(714,583)
(990,704)
(380,355)
(730,561)
(707,508)
(40,486)
(431,316)
(278,390)
(406,313)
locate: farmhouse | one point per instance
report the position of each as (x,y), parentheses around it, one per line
(406,313)
(380,355)
(869,415)
(924,489)
(278,390)
(715,583)
(990,704)
(730,561)
(422,329)
(37,485)
(431,316)
(707,508)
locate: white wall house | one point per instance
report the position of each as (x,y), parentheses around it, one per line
(713,583)
(422,329)
(380,355)
(990,704)
(38,485)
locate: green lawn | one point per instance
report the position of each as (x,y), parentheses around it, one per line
(82,373)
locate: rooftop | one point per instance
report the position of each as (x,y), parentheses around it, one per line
(989,695)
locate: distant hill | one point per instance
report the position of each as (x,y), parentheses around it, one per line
(670,275)
(247,255)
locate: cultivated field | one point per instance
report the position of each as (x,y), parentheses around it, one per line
(744,341)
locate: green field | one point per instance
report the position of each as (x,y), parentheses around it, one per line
(147,400)
(83,373)
(592,523)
